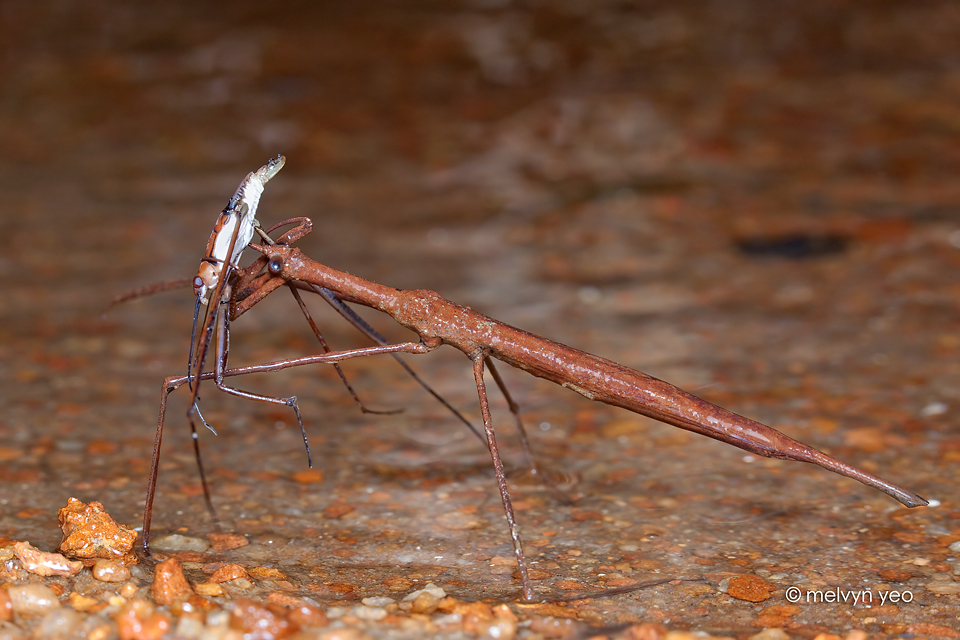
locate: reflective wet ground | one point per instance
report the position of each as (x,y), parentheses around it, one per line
(756,202)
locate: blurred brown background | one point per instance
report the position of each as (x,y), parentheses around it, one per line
(756,201)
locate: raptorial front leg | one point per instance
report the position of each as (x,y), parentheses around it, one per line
(223,352)
(478,360)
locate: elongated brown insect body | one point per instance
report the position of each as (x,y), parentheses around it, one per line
(439,321)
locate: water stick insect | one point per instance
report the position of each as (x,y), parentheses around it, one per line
(438,321)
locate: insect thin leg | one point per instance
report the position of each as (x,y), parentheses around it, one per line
(524,440)
(223,352)
(196,408)
(203,476)
(353,318)
(193,342)
(515,410)
(154,469)
(501,476)
(326,349)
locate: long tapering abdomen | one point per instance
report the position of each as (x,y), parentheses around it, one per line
(433,317)
(606,381)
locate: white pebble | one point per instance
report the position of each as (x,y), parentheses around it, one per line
(32,599)
(369,613)
(106,570)
(431,588)
(189,627)
(177,542)
(934,409)
(58,624)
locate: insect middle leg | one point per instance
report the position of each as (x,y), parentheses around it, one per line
(478,361)
(223,352)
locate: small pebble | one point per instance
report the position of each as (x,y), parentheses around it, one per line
(209,589)
(81,603)
(431,588)
(253,618)
(397,583)
(377,601)
(944,588)
(89,532)
(346,633)
(424,600)
(177,542)
(459,521)
(770,634)
(227,572)
(58,624)
(219,619)
(6,608)
(338,510)
(129,590)
(284,599)
(107,570)
(32,599)
(504,625)
(369,613)
(750,588)
(99,629)
(308,615)
(934,409)
(895,575)
(169,583)
(226,541)
(267,573)
(241,583)
(188,627)
(646,631)
(43,563)
(137,620)
(425,603)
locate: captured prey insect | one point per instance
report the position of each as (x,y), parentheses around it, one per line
(233,231)
(438,321)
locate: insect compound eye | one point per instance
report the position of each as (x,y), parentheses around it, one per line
(197,282)
(275,265)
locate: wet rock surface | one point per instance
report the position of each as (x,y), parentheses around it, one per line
(756,203)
